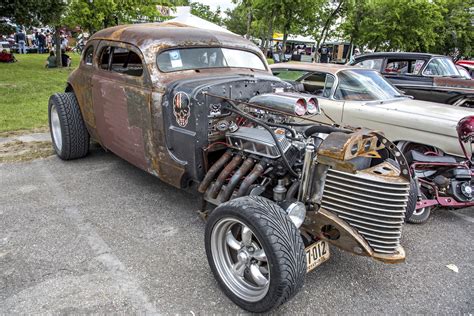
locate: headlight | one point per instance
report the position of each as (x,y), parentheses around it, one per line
(297,213)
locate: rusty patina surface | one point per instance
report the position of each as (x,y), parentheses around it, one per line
(454,82)
(348,238)
(124,113)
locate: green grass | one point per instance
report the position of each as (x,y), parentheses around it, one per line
(25,87)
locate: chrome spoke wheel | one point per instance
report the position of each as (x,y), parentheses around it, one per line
(240,259)
(56,128)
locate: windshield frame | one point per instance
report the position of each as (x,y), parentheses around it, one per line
(399,94)
(265,64)
(435,58)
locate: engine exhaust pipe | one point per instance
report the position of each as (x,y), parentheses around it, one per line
(285,103)
(216,187)
(251,178)
(246,166)
(210,175)
(312,104)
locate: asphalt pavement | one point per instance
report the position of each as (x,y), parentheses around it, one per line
(98,235)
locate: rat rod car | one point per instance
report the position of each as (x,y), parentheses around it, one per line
(202,110)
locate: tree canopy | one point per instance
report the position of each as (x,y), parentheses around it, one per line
(439,26)
(94,15)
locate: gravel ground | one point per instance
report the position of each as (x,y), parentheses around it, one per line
(99,235)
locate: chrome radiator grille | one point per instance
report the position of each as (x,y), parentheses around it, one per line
(375,208)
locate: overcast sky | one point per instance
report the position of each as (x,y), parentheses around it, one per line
(224,4)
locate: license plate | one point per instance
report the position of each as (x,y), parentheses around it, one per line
(316,254)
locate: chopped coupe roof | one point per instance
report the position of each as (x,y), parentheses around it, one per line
(329,68)
(171,34)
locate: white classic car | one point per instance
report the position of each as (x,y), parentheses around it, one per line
(356,97)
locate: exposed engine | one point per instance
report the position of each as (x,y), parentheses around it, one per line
(455,182)
(267,150)
(336,176)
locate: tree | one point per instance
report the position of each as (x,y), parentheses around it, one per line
(93,15)
(457,30)
(204,11)
(235,20)
(321,18)
(36,13)
(391,25)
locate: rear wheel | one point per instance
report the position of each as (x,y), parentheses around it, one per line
(255,252)
(405,147)
(68,132)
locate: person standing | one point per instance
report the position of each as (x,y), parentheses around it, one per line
(41,42)
(64,43)
(49,41)
(20,39)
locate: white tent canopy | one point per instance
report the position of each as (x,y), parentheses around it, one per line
(296,39)
(194,21)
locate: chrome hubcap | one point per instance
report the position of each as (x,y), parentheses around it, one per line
(240,259)
(56,128)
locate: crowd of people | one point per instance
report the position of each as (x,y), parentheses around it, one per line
(38,41)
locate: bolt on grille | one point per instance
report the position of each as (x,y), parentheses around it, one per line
(376,209)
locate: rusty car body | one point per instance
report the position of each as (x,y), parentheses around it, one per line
(427,77)
(192,108)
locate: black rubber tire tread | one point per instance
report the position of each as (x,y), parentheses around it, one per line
(280,239)
(75,137)
(421,218)
(412,199)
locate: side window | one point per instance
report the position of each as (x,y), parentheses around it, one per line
(396,67)
(404,67)
(88,55)
(416,66)
(291,75)
(370,63)
(121,60)
(314,83)
(104,57)
(328,86)
(125,61)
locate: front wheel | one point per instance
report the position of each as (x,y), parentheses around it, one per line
(255,252)
(421,215)
(68,132)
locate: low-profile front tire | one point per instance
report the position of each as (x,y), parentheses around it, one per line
(69,134)
(255,252)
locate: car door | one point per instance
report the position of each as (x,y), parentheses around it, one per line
(405,74)
(121,101)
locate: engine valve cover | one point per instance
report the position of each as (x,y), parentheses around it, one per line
(257,141)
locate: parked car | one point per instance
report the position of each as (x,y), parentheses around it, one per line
(468,65)
(355,96)
(464,72)
(426,77)
(5,46)
(201,110)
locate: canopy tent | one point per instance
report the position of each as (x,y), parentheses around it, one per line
(194,21)
(294,38)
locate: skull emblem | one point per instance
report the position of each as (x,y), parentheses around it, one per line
(181,109)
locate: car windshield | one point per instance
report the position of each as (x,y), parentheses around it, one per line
(209,57)
(441,67)
(364,85)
